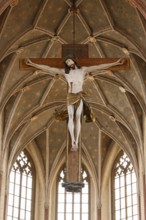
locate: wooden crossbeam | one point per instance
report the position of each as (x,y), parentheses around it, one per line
(58,62)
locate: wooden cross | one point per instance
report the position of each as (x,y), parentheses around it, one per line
(73,162)
(58,63)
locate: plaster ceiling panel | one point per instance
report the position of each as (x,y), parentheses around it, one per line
(54,50)
(13,137)
(56,139)
(8,107)
(142,67)
(35,126)
(4,66)
(106,145)
(118,39)
(16,25)
(111,49)
(132,79)
(110,127)
(40,141)
(118,101)
(67,31)
(97,20)
(142,20)
(35,50)
(30,37)
(89,134)
(58,92)
(12,83)
(94,50)
(133,30)
(131,139)
(92,92)
(52,15)
(137,109)
(90,137)
(16,74)
(29,101)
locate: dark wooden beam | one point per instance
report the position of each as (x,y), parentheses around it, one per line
(58,62)
(73,171)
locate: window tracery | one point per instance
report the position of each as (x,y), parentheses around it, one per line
(20,189)
(125,190)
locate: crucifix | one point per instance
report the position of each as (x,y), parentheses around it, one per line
(75,72)
(76,69)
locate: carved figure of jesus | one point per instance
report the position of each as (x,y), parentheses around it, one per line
(75,76)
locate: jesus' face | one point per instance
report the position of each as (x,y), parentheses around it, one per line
(70,63)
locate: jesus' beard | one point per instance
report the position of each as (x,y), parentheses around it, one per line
(72,67)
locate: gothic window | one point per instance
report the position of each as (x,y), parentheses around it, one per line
(73,205)
(20,189)
(125,201)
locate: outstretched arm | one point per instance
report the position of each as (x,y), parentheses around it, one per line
(45,68)
(103,66)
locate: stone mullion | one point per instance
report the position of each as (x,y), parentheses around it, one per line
(46,216)
(99,174)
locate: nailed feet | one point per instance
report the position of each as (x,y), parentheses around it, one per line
(74,146)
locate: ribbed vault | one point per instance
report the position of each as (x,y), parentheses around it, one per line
(28,99)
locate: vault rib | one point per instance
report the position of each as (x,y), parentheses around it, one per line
(135,66)
(128,87)
(109,110)
(6,76)
(84,23)
(120,45)
(47,91)
(68,3)
(103,31)
(109,134)
(23,46)
(129,148)
(40,11)
(35,41)
(110,41)
(78,2)
(48,48)
(17,141)
(20,86)
(98,48)
(9,121)
(29,117)
(110,20)
(48,32)
(41,130)
(126,36)
(139,131)
(99,91)
(4,5)
(4,20)
(142,21)
(124,122)
(63,22)
(5,53)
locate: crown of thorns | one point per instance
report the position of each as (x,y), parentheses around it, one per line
(70,56)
